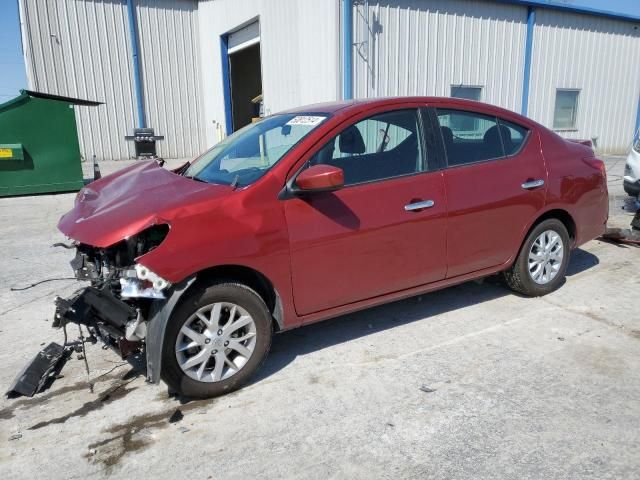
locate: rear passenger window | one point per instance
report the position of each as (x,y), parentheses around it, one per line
(469,137)
(513,136)
(383,146)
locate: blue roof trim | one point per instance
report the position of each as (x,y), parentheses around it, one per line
(574,9)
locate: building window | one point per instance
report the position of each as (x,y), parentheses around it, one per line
(470,93)
(566,109)
(461,123)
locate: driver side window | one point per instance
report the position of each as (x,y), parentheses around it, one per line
(382,146)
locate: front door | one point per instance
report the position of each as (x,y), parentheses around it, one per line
(385,231)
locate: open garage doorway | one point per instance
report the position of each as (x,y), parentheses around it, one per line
(245,74)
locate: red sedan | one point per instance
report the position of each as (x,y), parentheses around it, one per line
(319,211)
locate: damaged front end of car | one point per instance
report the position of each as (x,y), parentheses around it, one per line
(115,226)
(115,306)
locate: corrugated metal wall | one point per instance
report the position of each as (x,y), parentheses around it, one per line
(414,47)
(299,47)
(599,56)
(403,47)
(81,48)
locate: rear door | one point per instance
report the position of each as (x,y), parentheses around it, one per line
(371,237)
(495,182)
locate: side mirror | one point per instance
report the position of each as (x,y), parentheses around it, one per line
(320,178)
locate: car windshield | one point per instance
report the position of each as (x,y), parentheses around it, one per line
(249,153)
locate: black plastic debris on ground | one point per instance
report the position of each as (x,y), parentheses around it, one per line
(626,235)
(176,416)
(39,373)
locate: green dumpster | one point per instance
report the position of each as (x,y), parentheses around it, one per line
(39,150)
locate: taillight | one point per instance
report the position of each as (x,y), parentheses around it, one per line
(597,164)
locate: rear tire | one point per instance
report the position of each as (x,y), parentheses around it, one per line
(542,261)
(216,339)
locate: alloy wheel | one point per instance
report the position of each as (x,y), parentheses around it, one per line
(216,342)
(545,257)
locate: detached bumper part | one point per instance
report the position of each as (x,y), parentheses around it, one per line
(37,374)
(92,307)
(107,315)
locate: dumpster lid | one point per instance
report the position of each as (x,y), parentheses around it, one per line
(75,101)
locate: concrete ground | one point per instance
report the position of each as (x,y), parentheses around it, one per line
(469,382)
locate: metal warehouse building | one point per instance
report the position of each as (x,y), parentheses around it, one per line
(197,70)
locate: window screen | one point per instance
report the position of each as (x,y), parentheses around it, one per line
(465,145)
(566,110)
(469,93)
(383,146)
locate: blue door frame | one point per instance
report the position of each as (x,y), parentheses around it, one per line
(226,83)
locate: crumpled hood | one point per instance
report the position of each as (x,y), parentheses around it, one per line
(128,201)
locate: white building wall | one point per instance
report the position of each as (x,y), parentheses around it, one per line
(599,56)
(299,47)
(81,48)
(417,47)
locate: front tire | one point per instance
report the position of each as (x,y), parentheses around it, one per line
(541,265)
(215,341)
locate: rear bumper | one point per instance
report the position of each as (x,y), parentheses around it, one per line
(632,188)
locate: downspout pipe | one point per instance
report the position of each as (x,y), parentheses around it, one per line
(137,79)
(528,51)
(347,49)
(636,134)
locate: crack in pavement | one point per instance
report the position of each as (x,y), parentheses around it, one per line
(594,316)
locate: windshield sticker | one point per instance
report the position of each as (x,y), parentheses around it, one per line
(305,120)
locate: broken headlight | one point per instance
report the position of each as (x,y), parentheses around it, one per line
(142,283)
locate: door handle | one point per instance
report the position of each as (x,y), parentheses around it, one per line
(530,184)
(411,207)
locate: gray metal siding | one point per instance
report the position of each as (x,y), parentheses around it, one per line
(598,56)
(82,49)
(402,47)
(413,47)
(168,31)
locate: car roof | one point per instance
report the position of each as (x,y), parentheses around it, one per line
(361,104)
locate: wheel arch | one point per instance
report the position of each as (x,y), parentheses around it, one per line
(160,312)
(251,278)
(559,214)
